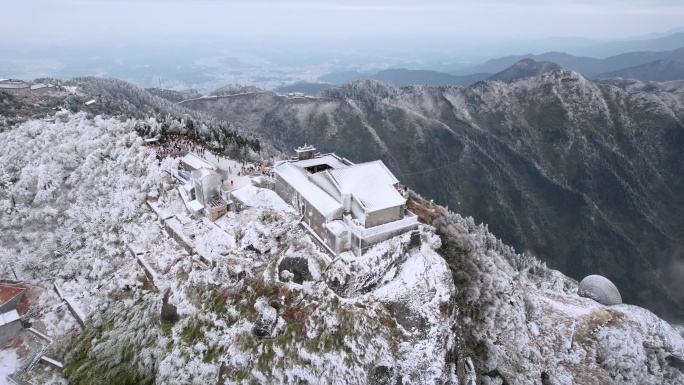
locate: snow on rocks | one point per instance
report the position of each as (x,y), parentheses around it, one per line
(442,304)
(519,321)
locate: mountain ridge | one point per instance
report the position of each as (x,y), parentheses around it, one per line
(657,71)
(581,64)
(523,69)
(448,303)
(402,77)
(557,151)
(492,69)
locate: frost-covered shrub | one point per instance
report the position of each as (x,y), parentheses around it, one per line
(120,345)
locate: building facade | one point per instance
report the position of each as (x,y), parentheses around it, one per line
(348,206)
(14,86)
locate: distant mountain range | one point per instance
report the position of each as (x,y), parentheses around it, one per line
(584,65)
(643,65)
(657,71)
(342,77)
(664,43)
(401,77)
(525,68)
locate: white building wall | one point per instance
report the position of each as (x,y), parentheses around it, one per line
(358,211)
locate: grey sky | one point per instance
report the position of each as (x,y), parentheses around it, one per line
(73,21)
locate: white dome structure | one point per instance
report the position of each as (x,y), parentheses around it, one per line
(600,289)
(207,183)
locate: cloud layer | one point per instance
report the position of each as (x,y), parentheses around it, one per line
(75,20)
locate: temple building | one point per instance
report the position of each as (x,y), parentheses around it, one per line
(350,207)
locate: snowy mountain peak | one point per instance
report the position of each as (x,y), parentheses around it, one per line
(257,300)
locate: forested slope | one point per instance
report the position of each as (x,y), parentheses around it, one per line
(585,175)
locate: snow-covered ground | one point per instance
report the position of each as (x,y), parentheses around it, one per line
(84,182)
(254,299)
(9,363)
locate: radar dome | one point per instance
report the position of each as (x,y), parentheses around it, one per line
(600,289)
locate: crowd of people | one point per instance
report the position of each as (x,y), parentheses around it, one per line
(249,168)
(176,144)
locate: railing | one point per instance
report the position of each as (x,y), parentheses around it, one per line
(408,220)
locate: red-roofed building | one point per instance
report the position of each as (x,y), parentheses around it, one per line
(10,299)
(10,296)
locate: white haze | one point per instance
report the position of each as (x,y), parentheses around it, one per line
(79,21)
(208,43)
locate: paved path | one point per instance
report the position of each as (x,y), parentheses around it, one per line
(235,166)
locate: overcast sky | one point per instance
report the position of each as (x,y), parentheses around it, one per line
(75,21)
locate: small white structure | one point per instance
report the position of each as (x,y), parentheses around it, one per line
(600,289)
(207,184)
(349,206)
(202,193)
(10,324)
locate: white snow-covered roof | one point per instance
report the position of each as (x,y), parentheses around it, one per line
(89,102)
(245,194)
(13,84)
(203,172)
(38,86)
(251,195)
(371,183)
(8,317)
(195,205)
(325,182)
(337,227)
(52,362)
(329,159)
(195,161)
(304,147)
(297,178)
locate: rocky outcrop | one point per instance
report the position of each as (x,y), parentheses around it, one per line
(294,268)
(265,322)
(169,312)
